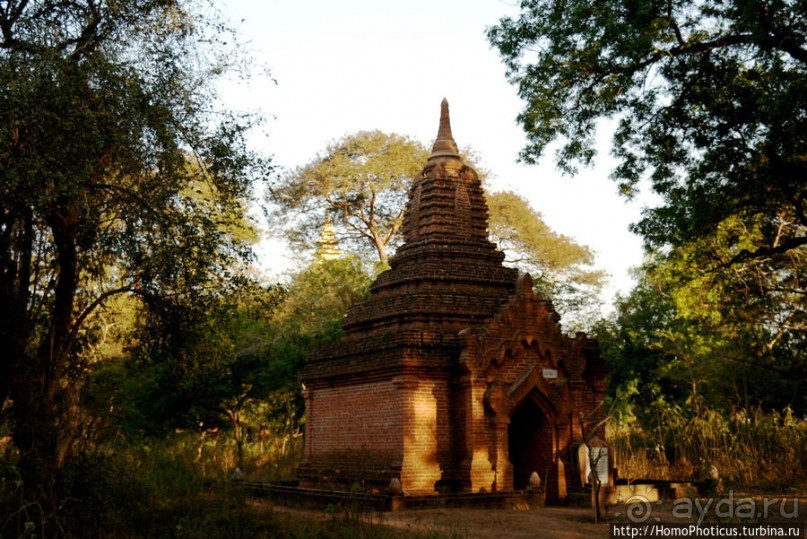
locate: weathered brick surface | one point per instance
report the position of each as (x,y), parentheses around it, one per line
(440,378)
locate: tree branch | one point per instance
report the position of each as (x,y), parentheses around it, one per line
(755,364)
(71,338)
(685,48)
(9,20)
(762,252)
(674,25)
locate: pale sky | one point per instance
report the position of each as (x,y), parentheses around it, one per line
(350,65)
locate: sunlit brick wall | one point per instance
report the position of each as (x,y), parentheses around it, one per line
(364,417)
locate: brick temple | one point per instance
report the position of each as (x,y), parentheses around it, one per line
(454,376)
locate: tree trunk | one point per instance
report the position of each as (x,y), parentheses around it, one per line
(596,489)
(381,248)
(41,430)
(14,292)
(238,436)
(35,435)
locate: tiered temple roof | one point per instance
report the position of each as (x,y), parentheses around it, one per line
(447,276)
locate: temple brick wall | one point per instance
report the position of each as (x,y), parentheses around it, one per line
(357,415)
(426,411)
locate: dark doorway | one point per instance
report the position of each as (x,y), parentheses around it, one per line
(530,442)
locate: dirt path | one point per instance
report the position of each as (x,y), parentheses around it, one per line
(548,522)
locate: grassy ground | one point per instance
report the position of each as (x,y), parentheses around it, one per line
(170,489)
(181,486)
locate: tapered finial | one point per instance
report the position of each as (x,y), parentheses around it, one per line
(444,131)
(444,145)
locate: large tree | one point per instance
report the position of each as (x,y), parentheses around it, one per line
(360,182)
(711,103)
(562,269)
(109,133)
(361,185)
(711,100)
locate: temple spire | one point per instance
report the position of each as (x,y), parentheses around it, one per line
(327,246)
(444,145)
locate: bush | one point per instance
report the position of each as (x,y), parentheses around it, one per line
(99,493)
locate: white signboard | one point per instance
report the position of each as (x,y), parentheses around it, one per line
(600,455)
(550,374)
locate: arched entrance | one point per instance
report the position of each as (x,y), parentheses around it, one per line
(531,440)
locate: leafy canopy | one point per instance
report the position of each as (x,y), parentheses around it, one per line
(360,182)
(685,339)
(561,269)
(118,174)
(711,99)
(711,103)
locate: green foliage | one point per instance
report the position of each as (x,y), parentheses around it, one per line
(361,182)
(699,380)
(666,359)
(710,99)
(223,362)
(203,359)
(754,314)
(629,346)
(119,175)
(560,267)
(691,341)
(712,107)
(320,295)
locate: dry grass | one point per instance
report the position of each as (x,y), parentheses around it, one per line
(762,452)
